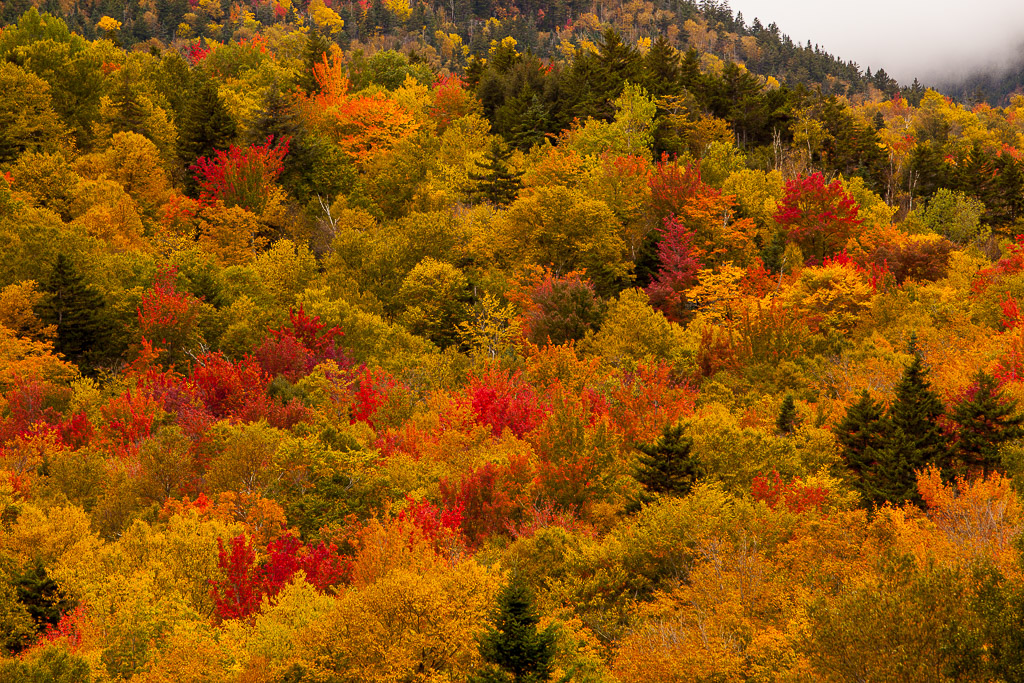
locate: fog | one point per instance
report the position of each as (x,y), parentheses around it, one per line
(934,41)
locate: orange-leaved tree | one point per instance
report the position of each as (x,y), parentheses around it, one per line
(360,124)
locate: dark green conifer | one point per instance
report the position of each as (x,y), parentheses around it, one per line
(660,74)
(205,126)
(786,421)
(617,64)
(862,434)
(985,420)
(312,53)
(41,596)
(668,465)
(514,649)
(76,309)
(129,114)
(916,411)
(497,183)
(915,438)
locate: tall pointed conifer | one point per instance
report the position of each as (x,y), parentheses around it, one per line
(985,420)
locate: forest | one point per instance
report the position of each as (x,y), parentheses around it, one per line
(628,345)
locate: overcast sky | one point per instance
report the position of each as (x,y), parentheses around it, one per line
(908,38)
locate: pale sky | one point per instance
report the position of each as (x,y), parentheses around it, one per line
(930,40)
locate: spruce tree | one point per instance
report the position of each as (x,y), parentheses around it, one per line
(916,411)
(985,420)
(312,53)
(660,74)
(76,309)
(129,113)
(915,438)
(205,126)
(863,433)
(785,423)
(497,183)
(668,465)
(617,63)
(514,649)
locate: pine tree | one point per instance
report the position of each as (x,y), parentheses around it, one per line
(985,420)
(205,126)
(785,423)
(513,648)
(667,466)
(76,309)
(894,474)
(41,596)
(497,183)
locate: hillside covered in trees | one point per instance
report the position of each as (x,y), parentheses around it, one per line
(380,342)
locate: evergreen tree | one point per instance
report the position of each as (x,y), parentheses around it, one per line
(668,466)
(660,74)
(130,115)
(312,53)
(893,477)
(985,420)
(42,597)
(497,183)
(690,75)
(205,126)
(786,421)
(916,411)
(513,648)
(314,165)
(915,438)
(863,433)
(617,64)
(772,253)
(76,309)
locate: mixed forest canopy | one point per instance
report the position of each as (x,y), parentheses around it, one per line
(372,341)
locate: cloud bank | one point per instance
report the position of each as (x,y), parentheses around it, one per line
(934,41)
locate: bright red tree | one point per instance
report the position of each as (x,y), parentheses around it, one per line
(677,271)
(819,217)
(241,176)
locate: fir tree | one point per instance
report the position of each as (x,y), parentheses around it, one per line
(617,63)
(786,421)
(513,648)
(41,596)
(894,474)
(76,309)
(667,466)
(205,126)
(772,253)
(985,420)
(497,183)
